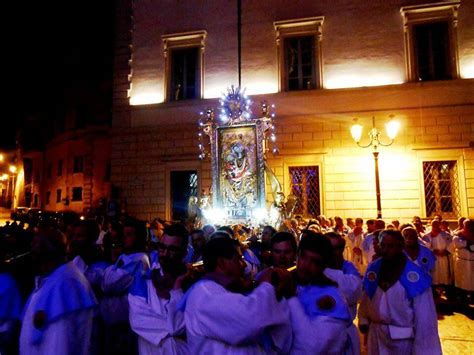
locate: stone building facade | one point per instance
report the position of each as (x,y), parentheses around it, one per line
(367,62)
(72,172)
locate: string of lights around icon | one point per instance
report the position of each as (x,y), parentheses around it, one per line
(235,110)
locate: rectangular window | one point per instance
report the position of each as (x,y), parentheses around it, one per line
(304,185)
(432,51)
(58,195)
(184,184)
(185,70)
(48,197)
(60,167)
(299,53)
(300,63)
(441,188)
(430,32)
(35,200)
(77,193)
(78,164)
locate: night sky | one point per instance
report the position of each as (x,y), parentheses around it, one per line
(59,58)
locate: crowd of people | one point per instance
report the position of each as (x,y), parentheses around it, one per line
(317,286)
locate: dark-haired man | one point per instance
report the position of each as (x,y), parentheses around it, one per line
(319,313)
(283,247)
(154,297)
(397,309)
(116,283)
(349,281)
(220,320)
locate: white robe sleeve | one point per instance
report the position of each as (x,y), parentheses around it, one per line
(349,285)
(213,312)
(151,325)
(459,242)
(116,280)
(426,325)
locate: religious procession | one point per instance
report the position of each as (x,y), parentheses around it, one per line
(234,276)
(323,286)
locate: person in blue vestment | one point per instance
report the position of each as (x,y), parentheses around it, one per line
(397,309)
(59,313)
(320,316)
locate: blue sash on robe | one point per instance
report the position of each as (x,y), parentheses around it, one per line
(139,287)
(133,263)
(426,259)
(154,257)
(310,297)
(349,268)
(10,298)
(413,279)
(65,291)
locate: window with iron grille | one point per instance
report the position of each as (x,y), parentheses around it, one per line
(304,185)
(300,63)
(441,188)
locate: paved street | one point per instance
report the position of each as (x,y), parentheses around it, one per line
(456,330)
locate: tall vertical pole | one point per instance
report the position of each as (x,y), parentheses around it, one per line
(377,184)
(239,39)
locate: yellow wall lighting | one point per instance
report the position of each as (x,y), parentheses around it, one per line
(467,70)
(146,99)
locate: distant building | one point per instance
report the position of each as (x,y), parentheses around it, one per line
(322,64)
(72,173)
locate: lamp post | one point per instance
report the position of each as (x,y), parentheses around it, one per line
(391,127)
(13,170)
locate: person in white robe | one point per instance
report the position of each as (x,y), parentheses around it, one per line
(154,298)
(439,243)
(220,320)
(349,282)
(116,282)
(320,316)
(87,256)
(355,239)
(369,243)
(397,309)
(464,259)
(417,252)
(59,313)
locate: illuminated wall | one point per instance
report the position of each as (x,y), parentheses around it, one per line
(363,58)
(362,44)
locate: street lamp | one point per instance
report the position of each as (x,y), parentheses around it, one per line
(391,128)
